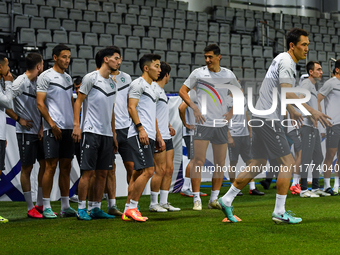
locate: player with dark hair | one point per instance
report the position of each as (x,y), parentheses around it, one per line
(310,136)
(143,134)
(122,124)
(55,103)
(98,131)
(187,117)
(204,81)
(330,92)
(164,166)
(269,140)
(29,132)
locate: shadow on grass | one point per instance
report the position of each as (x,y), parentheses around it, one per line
(172,218)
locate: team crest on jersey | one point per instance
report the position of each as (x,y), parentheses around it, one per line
(112,86)
(122,79)
(68,79)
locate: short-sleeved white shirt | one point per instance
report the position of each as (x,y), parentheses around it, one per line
(282,70)
(146,108)
(209,88)
(99,103)
(58,89)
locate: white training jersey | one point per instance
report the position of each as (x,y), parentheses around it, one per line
(122,117)
(98,105)
(238,125)
(281,70)
(162,112)
(331,91)
(25,103)
(313,102)
(5,103)
(146,108)
(59,97)
(210,88)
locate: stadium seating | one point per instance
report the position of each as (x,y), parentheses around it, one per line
(167,27)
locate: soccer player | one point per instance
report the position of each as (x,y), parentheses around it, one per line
(55,103)
(143,133)
(202,80)
(29,132)
(269,140)
(310,136)
(330,92)
(5,103)
(164,166)
(239,144)
(122,124)
(188,119)
(98,131)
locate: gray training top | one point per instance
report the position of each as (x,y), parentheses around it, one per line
(25,103)
(5,103)
(331,91)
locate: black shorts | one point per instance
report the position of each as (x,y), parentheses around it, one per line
(30,148)
(142,155)
(63,148)
(268,142)
(2,154)
(123,145)
(216,135)
(311,147)
(168,145)
(333,137)
(242,147)
(96,152)
(295,136)
(189,143)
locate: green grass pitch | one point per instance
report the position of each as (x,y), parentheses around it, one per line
(184,232)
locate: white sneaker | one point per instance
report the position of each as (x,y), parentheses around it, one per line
(197,205)
(74,198)
(321,193)
(214,205)
(170,208)
(308,194)
(157,208)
